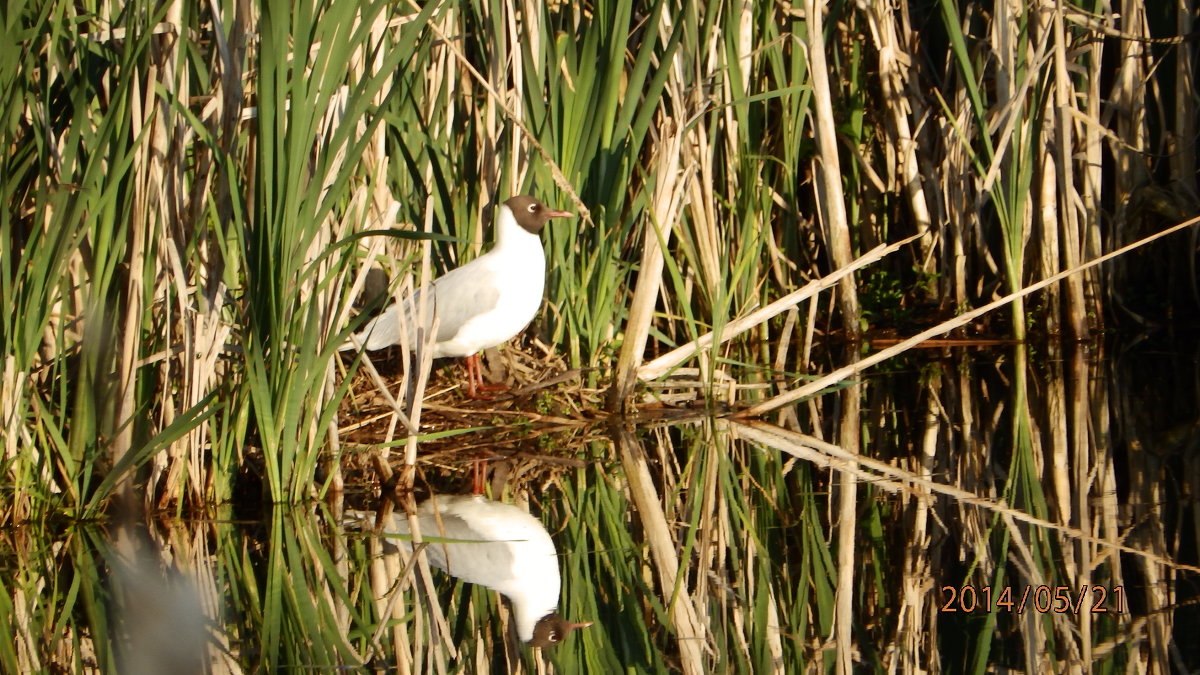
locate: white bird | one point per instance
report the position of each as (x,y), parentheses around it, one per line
(484,302)
(499,546)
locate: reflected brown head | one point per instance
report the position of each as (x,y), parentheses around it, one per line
(532,214)
(552,629)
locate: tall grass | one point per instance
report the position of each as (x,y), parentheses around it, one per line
(210,188)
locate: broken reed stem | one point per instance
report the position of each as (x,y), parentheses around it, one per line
(946,326)
(661,365)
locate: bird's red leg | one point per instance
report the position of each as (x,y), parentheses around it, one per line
(475,384)
(472,369)
(478,475)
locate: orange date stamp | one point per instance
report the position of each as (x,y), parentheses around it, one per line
(1042,599)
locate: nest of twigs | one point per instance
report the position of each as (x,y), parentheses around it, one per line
(524,438)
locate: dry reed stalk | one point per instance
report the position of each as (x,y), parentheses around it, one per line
(712,243)
(511,105)
(670,182)
(961,320)
(1053,400)
(1126,97)
(784,343)
(1145,501)
(386,585)
(443,647)
(846,532)
(147,172)
(399,415)
(894,45)
(425,337)
(339,555)
(334,316)
(774,635)
(329,300)
(26,645)
(1091,169)
(489,155)
(406,405)
(376,205)
(1182,161)
(832,207)
(1066,101)
(204,332)
(981,419)
(831,201)
(1055,408)
(712,532)
(14,433)
(391,573)
(961,227)
(1048,216)
(157,199)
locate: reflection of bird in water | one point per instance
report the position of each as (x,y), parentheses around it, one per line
(496,545)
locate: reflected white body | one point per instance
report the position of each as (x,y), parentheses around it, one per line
(510,551)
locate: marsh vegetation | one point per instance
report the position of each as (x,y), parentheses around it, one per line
(865,305)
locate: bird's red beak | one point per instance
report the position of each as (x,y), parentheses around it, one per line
(559,214)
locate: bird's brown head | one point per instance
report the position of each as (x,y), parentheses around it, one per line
(552,629)
(532,214)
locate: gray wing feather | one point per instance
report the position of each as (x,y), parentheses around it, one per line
(458,296)
(461,295)
(385,329)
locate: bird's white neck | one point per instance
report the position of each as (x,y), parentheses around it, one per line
(510,234)
(537,603)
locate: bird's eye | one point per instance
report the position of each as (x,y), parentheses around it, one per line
(533,208)
(555,637)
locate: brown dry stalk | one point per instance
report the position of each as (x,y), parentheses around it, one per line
(664,212)
(830,198)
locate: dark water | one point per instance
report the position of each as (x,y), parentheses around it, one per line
(697,545)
